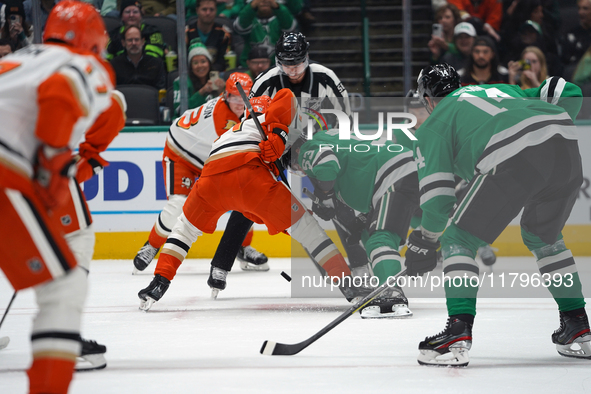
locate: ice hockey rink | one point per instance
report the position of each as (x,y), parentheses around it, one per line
(188,343)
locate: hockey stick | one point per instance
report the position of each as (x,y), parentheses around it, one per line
(8,308)
(4,341)
(260,128)
(270,348)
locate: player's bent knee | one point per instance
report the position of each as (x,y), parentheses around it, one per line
(452,250)
(60,303)
(382,239)
(548,250)
(455,237)
(171,211)
(306,230)
(183,231)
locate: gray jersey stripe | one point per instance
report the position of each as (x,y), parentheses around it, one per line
(541,120)
(532,138)
(391,179)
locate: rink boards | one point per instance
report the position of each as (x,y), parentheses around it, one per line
(127,196)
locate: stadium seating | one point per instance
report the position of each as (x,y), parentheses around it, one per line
(142,105)
(111,23)
(167,27)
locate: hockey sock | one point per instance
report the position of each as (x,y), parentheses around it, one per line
(382,251)
(247,241)
(233,237)
(156,240)
(557,265)
(463,304)
(50,375)
(385,263)
(336,266)
(461,280)
(167,265)
(166,220)
(564,286)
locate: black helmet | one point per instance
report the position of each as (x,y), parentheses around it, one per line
(291,49)
(437,81)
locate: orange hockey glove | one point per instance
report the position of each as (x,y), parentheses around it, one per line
(53,169)
(273,147)
(88,167)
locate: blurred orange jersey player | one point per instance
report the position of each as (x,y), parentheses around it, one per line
(50,95)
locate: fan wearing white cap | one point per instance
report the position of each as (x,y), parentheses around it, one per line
(459,51)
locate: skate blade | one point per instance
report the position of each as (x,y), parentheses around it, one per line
(580,348)
(90,362)
(135,271)
(146,304)
(214,293)
(246,266)
(456,357)
(398,312)
(4,341)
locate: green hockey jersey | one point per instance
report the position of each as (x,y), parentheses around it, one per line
(362,172)
(474,129)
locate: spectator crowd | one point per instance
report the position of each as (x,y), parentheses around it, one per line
(512,41)
(221,37)
(488,41)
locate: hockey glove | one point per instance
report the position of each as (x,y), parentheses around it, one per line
(88,167)
(272,149)
(325,208)
(421,255)
(53,170)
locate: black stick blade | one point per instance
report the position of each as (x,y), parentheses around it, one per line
(271,348)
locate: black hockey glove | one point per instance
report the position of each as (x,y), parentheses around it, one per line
(325,209)
(421,255)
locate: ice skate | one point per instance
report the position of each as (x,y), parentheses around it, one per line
(487,255)
(91,357)
(391,304)
(361,280)
(573,338)
(153,292)
(144,257)
(450,347)
(216,280)
(251,259)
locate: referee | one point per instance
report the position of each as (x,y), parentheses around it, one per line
(317,86)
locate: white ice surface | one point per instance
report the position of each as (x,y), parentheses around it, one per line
(189,343)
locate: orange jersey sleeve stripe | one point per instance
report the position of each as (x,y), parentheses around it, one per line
(59,110)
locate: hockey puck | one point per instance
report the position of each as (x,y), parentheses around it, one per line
(287,277)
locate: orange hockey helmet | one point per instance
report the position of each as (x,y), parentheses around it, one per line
(243,79)
(78,24)
(260,104)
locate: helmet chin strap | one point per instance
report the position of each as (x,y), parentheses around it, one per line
(428,104)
